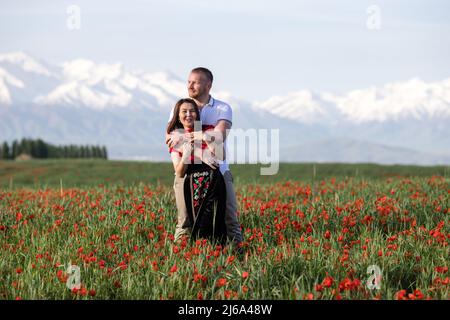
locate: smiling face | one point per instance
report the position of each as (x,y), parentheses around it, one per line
(187,115)
(198,85)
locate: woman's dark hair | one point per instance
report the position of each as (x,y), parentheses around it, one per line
(175,122)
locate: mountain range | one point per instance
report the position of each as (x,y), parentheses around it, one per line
(84,102)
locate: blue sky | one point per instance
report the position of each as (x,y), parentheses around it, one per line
(255,48)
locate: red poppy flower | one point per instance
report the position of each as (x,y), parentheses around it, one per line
(309,296)
(441,269)
(327,282)
(401,295)
(221,282)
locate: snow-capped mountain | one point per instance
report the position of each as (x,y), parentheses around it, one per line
(81,101)
(395,101)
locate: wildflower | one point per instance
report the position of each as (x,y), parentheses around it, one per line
(327,282)
(228,294)
(401,295)
(221,282)
(309,296)
(441,269)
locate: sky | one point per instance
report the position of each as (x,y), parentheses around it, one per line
(255,48)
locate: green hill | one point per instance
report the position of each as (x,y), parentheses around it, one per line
(81,172)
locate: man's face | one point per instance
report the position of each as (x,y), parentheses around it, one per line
(198,85)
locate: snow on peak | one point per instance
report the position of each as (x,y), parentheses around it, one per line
(83,82)
(413,98)
(100,86)
(302,106)
(167,82)
(5,79)
(87,70)
(75,93)
(25,62)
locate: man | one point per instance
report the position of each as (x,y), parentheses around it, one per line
(219,115)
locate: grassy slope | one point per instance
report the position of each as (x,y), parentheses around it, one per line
(72,173)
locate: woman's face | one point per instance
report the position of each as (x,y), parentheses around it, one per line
(187,115)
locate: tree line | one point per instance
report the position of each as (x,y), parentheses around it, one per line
(37,148)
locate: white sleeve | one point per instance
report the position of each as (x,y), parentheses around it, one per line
(225,113)
(171,116)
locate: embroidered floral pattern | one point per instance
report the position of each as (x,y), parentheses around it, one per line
(200,190)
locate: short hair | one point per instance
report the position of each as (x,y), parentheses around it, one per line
(205,71)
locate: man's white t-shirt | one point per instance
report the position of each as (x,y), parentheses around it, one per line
(210,114)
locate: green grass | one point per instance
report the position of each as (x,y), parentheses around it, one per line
(76,173)
(305,235)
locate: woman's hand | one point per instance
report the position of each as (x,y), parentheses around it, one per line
(188,151)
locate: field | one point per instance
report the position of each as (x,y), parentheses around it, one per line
(314,231)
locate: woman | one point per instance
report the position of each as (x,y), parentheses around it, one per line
(201,209)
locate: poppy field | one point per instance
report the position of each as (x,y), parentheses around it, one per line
(334,238)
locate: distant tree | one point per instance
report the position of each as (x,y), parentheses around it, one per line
(98,152)
(65,152)
(94,151)
(88,151)
(73,151)
(33,148)
(37,148)
(5,151)
(104,153)
(25,146)
(15,149)
(82,152)
(51,151)
(42,149)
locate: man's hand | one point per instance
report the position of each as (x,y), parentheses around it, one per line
(211,162)
(173,139)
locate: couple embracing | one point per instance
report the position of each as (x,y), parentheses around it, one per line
(203,184)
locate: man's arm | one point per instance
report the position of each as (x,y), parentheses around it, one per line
(215,141)
(223,126)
